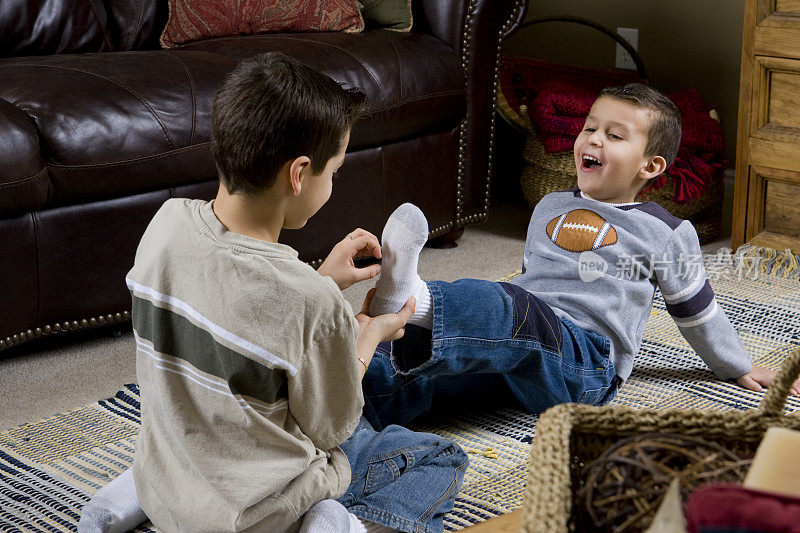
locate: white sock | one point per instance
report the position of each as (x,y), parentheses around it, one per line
(330,516)
(356,525)
(114,509)
(402,240)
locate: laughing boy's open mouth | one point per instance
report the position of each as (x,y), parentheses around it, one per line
(589,162)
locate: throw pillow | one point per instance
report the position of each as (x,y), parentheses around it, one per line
(388,14)
(194,20)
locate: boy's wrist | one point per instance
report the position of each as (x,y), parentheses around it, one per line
(366,343)
(365,348)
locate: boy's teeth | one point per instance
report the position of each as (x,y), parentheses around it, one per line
(590,158)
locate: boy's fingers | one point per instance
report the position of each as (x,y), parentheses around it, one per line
(407,310)
(366,245)
(367,272)
(367,300)
(751,384)
(358,232)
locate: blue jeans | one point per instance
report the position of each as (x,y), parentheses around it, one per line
(403,479)
(492,345)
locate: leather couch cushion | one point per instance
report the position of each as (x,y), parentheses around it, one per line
(42,27)
(414,82)
(109,125)
(115,124)
(24,183)
(35,27)
(136,24)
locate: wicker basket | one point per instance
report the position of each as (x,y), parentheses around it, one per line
(544,173)
(572,434)
(522,77)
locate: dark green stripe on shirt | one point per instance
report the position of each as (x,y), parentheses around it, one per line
(175,335)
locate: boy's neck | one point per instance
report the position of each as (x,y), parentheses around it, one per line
(610,202)
(248,215)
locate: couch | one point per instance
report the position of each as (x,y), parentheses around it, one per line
(99,126)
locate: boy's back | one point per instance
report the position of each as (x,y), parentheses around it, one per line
(239,346)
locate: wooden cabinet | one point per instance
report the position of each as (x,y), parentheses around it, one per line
(766,204)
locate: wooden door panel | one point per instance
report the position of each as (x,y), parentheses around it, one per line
(773,207)
(775,110)
(787,6)
(766,203)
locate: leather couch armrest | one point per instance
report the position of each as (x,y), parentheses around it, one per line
(476,30)
(24,181)
(447,19)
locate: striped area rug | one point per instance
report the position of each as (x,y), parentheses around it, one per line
(49,469)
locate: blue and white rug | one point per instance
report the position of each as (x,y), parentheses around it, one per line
(49,469)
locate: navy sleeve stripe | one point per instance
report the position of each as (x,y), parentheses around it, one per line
(652,208)
(694,305)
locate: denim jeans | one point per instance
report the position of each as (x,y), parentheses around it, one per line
(492,345)
(403,479)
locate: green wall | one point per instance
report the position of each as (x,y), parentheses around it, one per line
(683,43)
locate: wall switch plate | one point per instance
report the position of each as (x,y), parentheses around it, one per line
(624,59)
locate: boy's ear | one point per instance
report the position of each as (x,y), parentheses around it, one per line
(296,169)
(656,166)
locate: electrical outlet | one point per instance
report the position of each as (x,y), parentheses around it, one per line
(624,59)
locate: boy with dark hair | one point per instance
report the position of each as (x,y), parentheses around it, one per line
(664,133)
(249,361)
(568,328)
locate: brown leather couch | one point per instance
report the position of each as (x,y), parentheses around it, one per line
(99,126)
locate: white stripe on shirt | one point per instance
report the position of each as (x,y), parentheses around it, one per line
(678,296)
(698,321)
(261,408)
(217,330)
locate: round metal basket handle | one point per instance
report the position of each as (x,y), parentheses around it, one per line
(599,27)
(776,396)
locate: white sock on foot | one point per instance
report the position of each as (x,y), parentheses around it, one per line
(423,311)
(402,240)
(114,508)
(330,516)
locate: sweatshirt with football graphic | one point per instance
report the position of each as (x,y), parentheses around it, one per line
(598,265)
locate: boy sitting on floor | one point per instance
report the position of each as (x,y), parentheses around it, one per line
(249,361)
(568,328)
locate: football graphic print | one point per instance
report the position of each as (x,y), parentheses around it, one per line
(581,230)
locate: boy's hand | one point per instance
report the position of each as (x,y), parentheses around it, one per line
(760,377)
(339,263)
(389,327)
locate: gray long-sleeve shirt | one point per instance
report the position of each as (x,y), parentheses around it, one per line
(598,265)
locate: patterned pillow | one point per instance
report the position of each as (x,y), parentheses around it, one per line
(388,14)
(195,20)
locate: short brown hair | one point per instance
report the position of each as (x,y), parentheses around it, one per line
(271,109)
(664,136)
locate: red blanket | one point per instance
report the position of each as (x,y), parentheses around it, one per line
(558,112)
(733,508)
